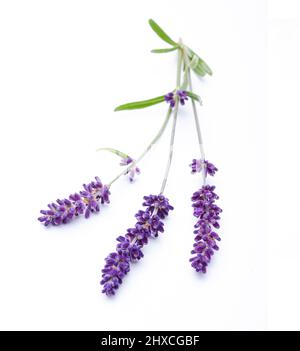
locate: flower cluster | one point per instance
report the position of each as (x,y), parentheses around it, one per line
(206,239)
(125,161)
(199,165)
(84,202)
(170,97)
(129,247)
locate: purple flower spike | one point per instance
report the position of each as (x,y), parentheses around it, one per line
(125,161)
(206,239)
(116,267)
(85,202)
(129,247)
(197,166)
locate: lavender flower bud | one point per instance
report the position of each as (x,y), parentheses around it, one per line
(170,97)
(129,247)
(198,165)
(85,202)
(125,161)
(206,239)
(182,96)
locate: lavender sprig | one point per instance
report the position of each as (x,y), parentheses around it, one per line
(149,222)
(85,202)
(204,199)
(129,247)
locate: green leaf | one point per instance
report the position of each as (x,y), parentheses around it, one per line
(194,61)
(161,33)
(114,151)
(141,104)
(197,64)
(199,70)
(193,96)
(205,67)
(161,51)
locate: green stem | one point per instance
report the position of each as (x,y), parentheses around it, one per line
(199,134)
(196,118)
(178,80)
(155,139)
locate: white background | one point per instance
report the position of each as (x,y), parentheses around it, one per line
(64,66)
(284,170)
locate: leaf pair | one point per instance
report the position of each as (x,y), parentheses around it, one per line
(195,63)
(198,65)
(194,96)
(164,36)
(146,103)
